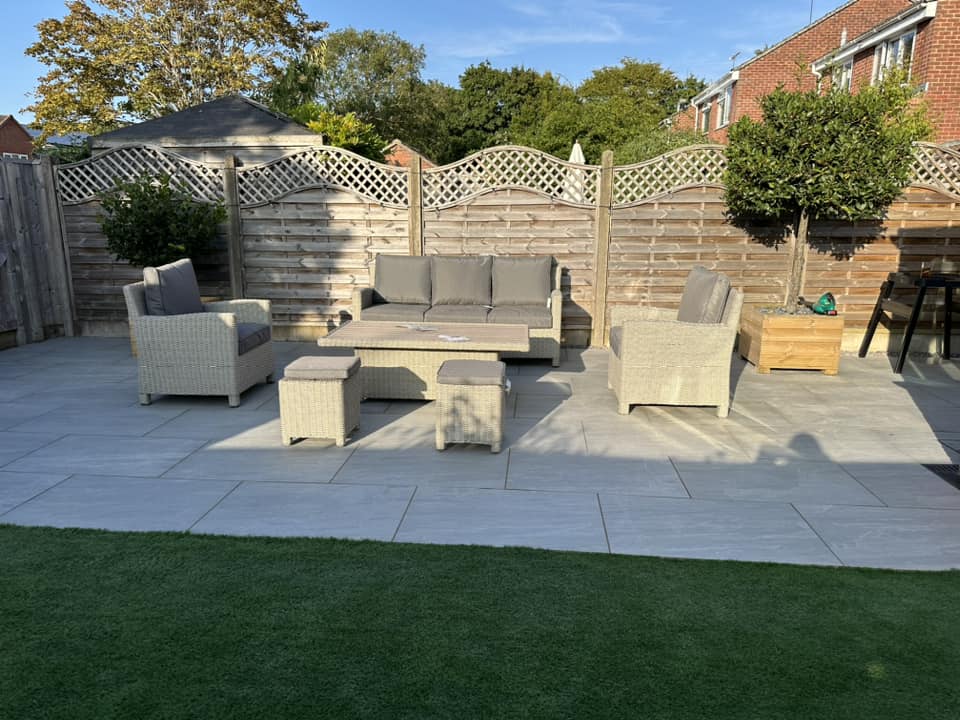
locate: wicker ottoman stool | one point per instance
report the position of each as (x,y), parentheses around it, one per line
(320,398)
(470,400)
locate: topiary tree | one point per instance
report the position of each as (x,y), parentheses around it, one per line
(823,156)
(151,222)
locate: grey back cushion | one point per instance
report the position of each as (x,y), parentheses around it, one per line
(704,296)
(462,280)
(521,281)
(172,289)
(401,279)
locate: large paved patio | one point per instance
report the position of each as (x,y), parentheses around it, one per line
(807,469)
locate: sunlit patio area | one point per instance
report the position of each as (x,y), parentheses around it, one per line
(807,469)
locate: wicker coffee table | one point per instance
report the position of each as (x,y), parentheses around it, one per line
(398,362)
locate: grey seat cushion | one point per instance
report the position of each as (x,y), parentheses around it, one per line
(252,335)
(401,279)
(616,339)
(472,372)
(462,280)
(395,311)
(704,296)
(521,281)
(533,316)
(457,313)
(322,367)
(172,289)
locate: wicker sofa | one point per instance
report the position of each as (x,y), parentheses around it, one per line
(186,347)
(677,357)
(468,289)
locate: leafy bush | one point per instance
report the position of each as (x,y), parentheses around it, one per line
(646,146)
(152,222)
(346,131)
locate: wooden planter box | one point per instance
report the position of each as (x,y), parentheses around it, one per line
(792,342)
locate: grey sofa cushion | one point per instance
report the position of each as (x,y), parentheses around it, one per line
(398,312)
(172,289)
(472,372)
(457,314)
(252,335)
(533,316)
(400,279)
(322,367)
(462,280)
(521,281)
(704,296)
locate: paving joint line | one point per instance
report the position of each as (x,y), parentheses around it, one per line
(215,506)
(34,497)
(393,538)
(819,536)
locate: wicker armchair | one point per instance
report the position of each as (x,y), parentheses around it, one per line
(198,353)
(656,359)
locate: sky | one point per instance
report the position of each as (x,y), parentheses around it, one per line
(566,37)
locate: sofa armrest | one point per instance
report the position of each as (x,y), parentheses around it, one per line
(619,314)
(656,343)
(556,308)
(198,338)
(247,310)
(362,298)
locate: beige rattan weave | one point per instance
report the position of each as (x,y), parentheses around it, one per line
(197,354)
(470,414)
(319,408)
(661,361)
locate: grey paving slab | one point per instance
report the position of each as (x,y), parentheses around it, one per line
(288,509)
(786,482)
(905,485)
(120,503)
(17,488)
(100,455)
(131,421)
(557,521)
(711,529)
(591,473)
(472,466)
(537,406)
(216,424)
(902,538)
(15,413)
(14,445)
(545,436)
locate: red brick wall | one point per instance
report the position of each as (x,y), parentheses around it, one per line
(14,139)
(937,62)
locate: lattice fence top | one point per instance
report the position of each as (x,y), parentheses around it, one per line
(82,181)
(510,167)
(323,167)
(687,167)
(937,167)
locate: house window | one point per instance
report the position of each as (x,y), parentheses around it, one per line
(18,156)
(843,76)
(705,118)
(896,52)
(724,104)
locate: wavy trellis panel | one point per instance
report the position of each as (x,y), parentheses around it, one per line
(82,181)
(693,166)
(510,167)
(937,167)
(327,167)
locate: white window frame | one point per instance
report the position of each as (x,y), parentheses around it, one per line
(724,107)
(16,156)
(705,117)
(890,54)
(843,76)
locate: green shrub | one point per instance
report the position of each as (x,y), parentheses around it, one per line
(151,222)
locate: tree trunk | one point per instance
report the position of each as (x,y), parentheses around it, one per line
(798,257)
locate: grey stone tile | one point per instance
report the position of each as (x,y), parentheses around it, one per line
(785,482)
(15,445)
(593,473)
(905,485)
(537,406)
(395,432)
(100,421)
(711,529)
(217,424)
(15,413)
(557,521)
(121,503)
(903,538)
(472,466)
(545,436)
(16,488)
(288,509)
(100,455)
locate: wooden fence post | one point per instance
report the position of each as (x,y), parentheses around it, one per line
(57,243)
(24,276)
(601,253)
(415,197)
(231,198)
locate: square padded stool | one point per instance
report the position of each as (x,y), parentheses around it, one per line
(320,398)
(470,402)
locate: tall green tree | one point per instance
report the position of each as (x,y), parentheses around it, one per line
(832,156)
(116,60)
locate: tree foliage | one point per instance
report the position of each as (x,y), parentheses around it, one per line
(152,221)
(346,131)
(115,60)
(823,156)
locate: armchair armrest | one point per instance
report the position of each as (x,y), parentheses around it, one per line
(653,343)
(247,310)
(556,308)
(199,338)
(619,314)
(362,298)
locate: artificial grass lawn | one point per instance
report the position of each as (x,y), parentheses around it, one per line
(110,625)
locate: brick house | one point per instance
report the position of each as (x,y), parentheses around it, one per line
(15,141)
(852,45)
(400,154)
